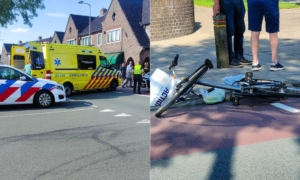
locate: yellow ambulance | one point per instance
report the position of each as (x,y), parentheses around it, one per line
(76,67)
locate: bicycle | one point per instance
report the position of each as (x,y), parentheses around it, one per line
(246,87)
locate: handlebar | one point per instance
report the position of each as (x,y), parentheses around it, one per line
(174,63)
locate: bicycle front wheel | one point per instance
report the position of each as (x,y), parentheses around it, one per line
(182,89)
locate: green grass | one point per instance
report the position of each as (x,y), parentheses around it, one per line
(210,3)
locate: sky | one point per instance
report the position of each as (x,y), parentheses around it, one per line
(53,18)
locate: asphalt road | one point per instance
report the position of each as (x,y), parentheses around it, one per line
(93,135)
(255,140)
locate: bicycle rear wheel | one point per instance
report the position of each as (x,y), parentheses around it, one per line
(287,92)
(182,89)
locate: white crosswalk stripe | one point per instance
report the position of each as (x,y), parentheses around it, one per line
(107,110)
(285,107)
(123,115)
(145,121)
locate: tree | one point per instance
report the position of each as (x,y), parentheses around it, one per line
(10,9)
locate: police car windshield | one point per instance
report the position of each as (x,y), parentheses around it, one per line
(37,60)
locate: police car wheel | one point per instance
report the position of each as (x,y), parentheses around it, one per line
(68,89)
(43,99)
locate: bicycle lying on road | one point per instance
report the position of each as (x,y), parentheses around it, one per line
(246,87)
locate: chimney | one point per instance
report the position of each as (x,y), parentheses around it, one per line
(103,11)
(20,42)
(40,38)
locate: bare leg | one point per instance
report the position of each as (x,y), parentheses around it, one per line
(274,46)
(255,45)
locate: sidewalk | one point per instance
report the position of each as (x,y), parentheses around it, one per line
(193,49)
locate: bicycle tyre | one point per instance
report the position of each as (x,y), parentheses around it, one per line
(279,94)
(183,90)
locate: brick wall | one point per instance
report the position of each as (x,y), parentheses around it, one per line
(128,43)
(55,38)
(171,18)
(71,35)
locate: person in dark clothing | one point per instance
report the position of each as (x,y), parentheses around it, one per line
(145,68)
(235,14)
(123,72)
(137,77)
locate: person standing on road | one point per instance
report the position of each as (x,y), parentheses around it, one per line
(235,13)
(128,77)
(27,68)
(145,68)
(137,72)
(123,72)
(269,9)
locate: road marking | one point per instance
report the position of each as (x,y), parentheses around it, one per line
(69,99)
(145,121)
(90,104)
(285,107)
(122,115)
(54,112)
(107,110)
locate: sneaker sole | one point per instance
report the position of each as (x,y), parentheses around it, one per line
(256,69)
(276,69)
(246,63)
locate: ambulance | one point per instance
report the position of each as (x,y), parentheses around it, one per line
(77,68)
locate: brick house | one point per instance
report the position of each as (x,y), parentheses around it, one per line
(5,58)
(76,24)
(120,32)
(58,37)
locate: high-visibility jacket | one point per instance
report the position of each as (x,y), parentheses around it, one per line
(137,69)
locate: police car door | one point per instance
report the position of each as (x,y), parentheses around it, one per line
(15,87)
(18,57)
(37,60)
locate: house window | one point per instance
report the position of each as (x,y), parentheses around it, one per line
(71,42)
(113,36)
(114,16)
(55,41)
(70,29)
(85,41)
(99,39)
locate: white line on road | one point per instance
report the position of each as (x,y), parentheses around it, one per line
(145,121)
(122,115)
(285,107)
(53,112)
(70,99)
(107,110)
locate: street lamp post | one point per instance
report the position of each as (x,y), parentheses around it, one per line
(81,2)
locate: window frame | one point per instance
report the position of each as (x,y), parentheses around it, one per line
(110,31)
(71,41)
(87,37)
(94,63)
(98,38)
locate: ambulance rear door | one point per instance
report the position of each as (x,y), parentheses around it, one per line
(37,60)
(18,57)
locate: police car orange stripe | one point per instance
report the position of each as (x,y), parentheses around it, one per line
(8,92)
(28,94)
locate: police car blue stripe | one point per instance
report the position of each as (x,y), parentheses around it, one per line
(47,86)
(26,86)
(5,86)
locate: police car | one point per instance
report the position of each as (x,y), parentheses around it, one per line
(16,87)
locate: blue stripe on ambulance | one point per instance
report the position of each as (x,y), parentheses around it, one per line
(96,70)
(87,51)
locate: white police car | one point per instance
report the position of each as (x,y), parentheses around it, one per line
(16,87)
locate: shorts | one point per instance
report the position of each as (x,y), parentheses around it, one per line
(123,76)
(259,8)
